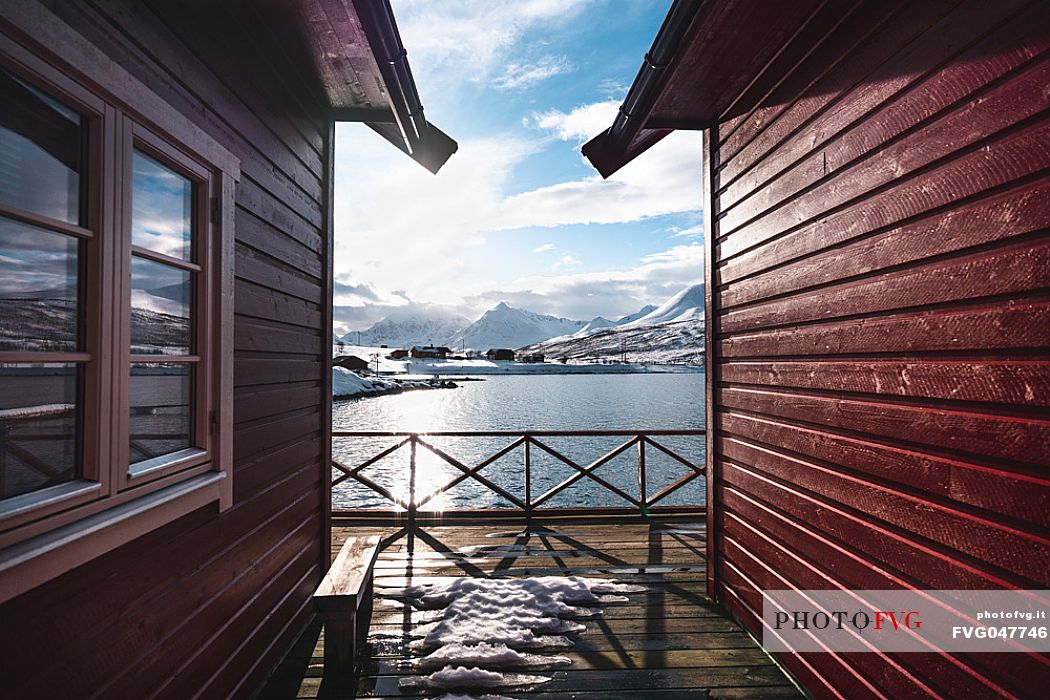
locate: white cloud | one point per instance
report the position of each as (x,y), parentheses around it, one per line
(691,232)
(663,180)
(474,38)
(545,248)
(582,123)
(520,76)
(675,255)
(564,261)
(398,226)
(612,293)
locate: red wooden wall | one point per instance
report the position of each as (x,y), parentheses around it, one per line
(206,605)
(881,262)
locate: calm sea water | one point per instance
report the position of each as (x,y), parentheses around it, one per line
(536,402)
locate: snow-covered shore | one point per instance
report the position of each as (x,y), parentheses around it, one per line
(440,368)
(481,367)
(348,385)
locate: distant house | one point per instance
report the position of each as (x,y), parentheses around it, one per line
(531,357)
(398,354)
(351,362)
(500,354)
(429,352)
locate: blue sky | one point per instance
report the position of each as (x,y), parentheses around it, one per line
(517,214)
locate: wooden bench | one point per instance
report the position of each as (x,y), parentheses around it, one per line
(343,602)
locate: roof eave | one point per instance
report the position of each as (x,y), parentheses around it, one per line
(628,136)
(608,155)
(404,126)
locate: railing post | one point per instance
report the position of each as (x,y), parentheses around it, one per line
(528,478)
(642,498)
(412,482)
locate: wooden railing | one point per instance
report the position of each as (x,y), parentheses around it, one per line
(15,444)
(528,443)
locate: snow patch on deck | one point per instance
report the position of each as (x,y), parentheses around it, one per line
(474,677)
(481,624)
(486,655)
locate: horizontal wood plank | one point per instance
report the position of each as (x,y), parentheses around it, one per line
(666,638)
(980,222)
(988,438)
(880,111)
(1020,325)
(1016,269)
(1017,382)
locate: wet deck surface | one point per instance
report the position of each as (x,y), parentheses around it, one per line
(667,642)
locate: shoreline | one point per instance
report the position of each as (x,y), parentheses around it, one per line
(497,368)
(399,389)
(350,385)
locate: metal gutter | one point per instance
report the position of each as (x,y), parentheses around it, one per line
(620,143)
(409,130)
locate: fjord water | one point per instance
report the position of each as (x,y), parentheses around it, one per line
(530,402)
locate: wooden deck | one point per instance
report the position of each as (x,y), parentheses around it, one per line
(669,642)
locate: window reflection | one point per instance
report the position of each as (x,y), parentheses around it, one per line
(160,308)
(40,152)
(38,427)
(38,289)
(160,409)
(161,205)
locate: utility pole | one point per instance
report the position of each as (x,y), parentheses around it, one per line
(375,356)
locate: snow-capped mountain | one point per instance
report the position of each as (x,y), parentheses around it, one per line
(414,325)
(644,311)
(599,323)
(672,332)
(506,327)
(593,326)
(687,305)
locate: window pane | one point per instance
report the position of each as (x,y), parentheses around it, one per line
(160,308)
(161,417)
(38,289)
(38,427)
(40,152)
(161,208)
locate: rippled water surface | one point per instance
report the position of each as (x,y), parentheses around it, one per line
(536,402)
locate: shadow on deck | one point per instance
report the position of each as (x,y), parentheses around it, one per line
(668,642)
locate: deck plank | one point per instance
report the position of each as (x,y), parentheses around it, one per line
(667,642)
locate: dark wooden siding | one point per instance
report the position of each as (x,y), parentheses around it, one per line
(206,605)
(881,264)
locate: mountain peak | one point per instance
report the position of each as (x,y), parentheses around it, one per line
(415,324)
(644,311)
(504,326)
(672,332)
(686,305)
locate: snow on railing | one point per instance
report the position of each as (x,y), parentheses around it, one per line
(41,411)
